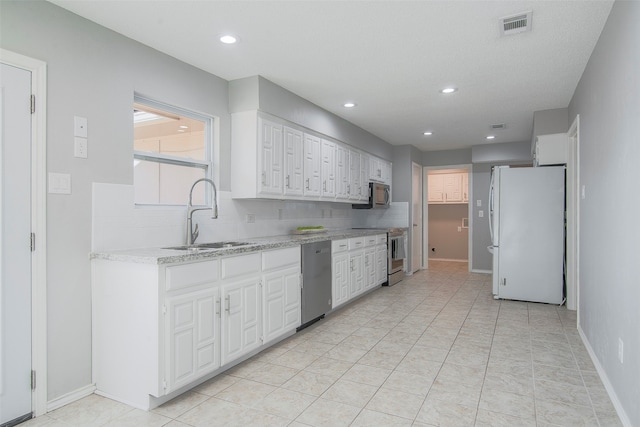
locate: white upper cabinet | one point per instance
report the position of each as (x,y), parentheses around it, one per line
(293,162)
(312,165)
(355,175)
(343,180)
(272,160)
(448,188)
(271,170)
(328,169)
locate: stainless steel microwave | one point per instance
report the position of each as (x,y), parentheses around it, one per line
(379,197)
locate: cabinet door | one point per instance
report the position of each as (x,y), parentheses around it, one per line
(342,172)
(436,188)
(364,177)
(355,186)
(271,158)
(312,165)
(381,264)
(340,279)
(356,274)
(453,187)
(385,172)
(293,162)
(328,169)
(241,319)
(193,336)
(369,268)
(465,187)
(281,301)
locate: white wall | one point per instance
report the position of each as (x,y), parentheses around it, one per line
(608,103)
(92,72)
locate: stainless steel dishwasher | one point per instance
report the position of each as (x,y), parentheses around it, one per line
(316,281)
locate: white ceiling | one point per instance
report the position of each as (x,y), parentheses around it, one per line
(389,57)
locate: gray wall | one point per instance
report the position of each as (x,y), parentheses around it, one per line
(445,241)
(480,238)
(546,122)
(446,157)
(403,157)
(258,93)
(92,72)
(607,101)
(502,153)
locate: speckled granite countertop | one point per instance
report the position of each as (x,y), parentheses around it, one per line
(169,256)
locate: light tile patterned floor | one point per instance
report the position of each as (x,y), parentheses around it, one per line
(434,350)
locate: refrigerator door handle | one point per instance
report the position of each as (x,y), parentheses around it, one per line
(493,176)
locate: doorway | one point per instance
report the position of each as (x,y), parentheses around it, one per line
(23,390)
(447,228)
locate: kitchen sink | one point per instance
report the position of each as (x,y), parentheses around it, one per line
(213,245)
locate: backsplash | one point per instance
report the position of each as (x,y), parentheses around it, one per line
(117,224)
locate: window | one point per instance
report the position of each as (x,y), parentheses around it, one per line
(172,148)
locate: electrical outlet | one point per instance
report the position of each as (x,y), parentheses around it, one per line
(620,350)
(80,147)
(459,229)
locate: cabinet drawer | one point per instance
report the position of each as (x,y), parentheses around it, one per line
(197,273)
(338,246)
(240,265)
(381,239)
(280,258)
(370,240)
(356,243)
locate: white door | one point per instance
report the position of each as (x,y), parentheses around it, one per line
(15,260)
(416,212)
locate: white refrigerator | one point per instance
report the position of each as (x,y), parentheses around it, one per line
(526,221)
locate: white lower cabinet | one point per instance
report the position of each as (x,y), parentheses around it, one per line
(193,328)
(241,319)
(159,328)
(358,265)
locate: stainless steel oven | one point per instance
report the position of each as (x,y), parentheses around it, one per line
(397,254)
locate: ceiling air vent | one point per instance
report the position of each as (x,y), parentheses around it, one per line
(515,24)
(498,126)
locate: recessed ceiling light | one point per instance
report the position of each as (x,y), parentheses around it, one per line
(428,133)
(449,90)
(184,127)
(228,39)
(491,137)
(349,104)
(180,130)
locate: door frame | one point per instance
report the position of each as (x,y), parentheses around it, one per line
(573,216)
(425,210)
(38,71)
(412,221)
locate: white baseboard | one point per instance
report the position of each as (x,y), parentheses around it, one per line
(70,397)
(448,259)
(475,270)
(624,418)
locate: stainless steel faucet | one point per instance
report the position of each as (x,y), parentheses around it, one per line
(192,234)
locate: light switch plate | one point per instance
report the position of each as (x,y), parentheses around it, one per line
(480,214)
(478,202)
(59,183)
(80,126)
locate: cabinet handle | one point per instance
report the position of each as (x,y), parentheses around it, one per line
(218,306)
(324,186)
(264,178)
(288,186)
(226,304)
(348,188)
(351,264)
(307,183)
